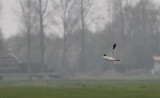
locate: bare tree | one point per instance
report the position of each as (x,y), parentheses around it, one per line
(127,5)
(27,10)
(65,18)
(157,38)
(121,20)
(144,4)
(1,35)
(41,7)
(109,12)
(119,9)
(85,6)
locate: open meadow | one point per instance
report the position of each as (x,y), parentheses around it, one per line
(80,89)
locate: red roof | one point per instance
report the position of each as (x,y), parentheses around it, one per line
(156,58)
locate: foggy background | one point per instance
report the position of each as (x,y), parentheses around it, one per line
(69,37)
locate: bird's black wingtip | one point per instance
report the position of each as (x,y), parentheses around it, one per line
(114,45)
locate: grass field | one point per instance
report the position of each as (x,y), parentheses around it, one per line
(80,89)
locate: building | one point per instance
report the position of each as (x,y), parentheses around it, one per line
(8,62)
(156,65)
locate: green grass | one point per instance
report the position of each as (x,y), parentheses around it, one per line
(80,89)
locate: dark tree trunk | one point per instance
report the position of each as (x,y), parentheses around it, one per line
(29,51)
(42,44)
(41,36)
(122,22)
(83,57)
(64,58)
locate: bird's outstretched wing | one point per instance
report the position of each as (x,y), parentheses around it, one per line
(111,53)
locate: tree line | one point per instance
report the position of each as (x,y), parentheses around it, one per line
(56,34)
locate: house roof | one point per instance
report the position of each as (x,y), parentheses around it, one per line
(156,58)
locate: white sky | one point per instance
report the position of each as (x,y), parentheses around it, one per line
(9,21)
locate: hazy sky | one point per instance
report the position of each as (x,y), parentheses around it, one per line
(9,20)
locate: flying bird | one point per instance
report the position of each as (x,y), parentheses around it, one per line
(111,54)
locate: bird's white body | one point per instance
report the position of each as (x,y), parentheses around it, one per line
(111,54)
(110,58)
